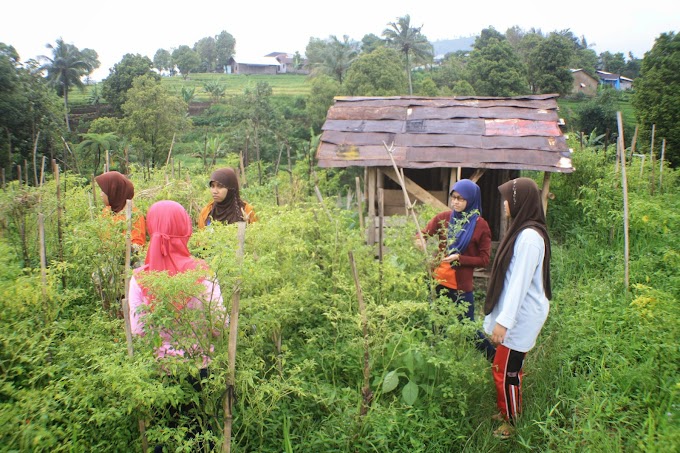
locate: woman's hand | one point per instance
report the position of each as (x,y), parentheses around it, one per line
(498,334)
(451,258)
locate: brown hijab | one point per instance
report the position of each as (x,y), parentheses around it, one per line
(117,188)
(229,210)
(526,211)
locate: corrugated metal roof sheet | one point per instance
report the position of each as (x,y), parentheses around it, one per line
(521,132)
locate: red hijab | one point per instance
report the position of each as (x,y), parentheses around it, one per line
(117,188)
(169,227)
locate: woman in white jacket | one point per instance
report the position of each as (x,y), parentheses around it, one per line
(517,300)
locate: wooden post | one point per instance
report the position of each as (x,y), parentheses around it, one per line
(167,161)
(633,143)
(381,223)
(42,171)
(35,161)
(290,166)
(243,169)
(55,169)
(19,177)
(372,180)
(126,306)
(3,178)
(233,336)
(320,198)
(624,181)
(26,172)
(663,153)
(366,394)
(360,206)
(43,258)
(107,162)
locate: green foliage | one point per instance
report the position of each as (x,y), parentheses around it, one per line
(186,60)
(332,56)
(152,117)
(657,93)
(410,42)
(323,90)
(494,69)
(378,73)
(549,65)
(121,77)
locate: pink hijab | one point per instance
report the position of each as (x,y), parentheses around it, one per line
(169,227)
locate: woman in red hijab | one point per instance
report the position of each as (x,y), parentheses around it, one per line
(116,189)
(227,205)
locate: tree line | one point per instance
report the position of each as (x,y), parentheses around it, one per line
(143,119)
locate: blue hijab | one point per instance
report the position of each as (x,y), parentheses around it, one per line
(462,224)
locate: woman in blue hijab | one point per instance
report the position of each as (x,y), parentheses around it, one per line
(464,244)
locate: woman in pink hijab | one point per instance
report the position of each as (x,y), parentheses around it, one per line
(182,318)
(199,316)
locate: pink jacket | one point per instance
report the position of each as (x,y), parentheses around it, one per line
(212,299)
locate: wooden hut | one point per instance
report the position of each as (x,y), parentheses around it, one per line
(437,141)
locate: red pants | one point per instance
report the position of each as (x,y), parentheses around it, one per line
(507,375)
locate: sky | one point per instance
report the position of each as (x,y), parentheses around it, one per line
(116,28)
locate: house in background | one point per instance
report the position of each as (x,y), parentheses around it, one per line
(583,83)
(253,65)
(617,81)
(288,64)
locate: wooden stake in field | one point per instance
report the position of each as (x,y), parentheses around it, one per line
(43,258)
(35,161)
(172,143)
(360,207)
(366,393)
(126,306)
(233,336)
(624,182)
(663,153)
(55,169)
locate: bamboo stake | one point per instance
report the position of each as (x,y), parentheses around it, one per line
(320,198)
(42,171)
(381,224)
(633,143)
(35,163)
(107,162)
(359,203)
(55,169)
(233,336)
(663,153)
(19,177)
(172,143)
(43,258)
(366,394)
(421,237)
(242,167)
(651,162)
(624,181)
(126,306)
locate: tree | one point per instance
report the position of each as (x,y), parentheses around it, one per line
(614,63)
(657,93)
(119,81)
(332,56)
(549,65)
(66,68)
(206,48)
(371,42)
(151,117)
(633,65)
(410,42)
(162,60)
(494,68)
(186,60)
(27,105)
(450,71)
(92,146)
(378,73)
(224,49)
(323,90)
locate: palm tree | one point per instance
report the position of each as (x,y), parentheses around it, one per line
(95,144)
(65,69)
(333,57)
(409,41)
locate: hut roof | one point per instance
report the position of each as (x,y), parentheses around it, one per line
(521,133)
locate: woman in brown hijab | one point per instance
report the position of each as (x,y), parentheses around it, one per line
(227,205)
(517,299)
(116,189)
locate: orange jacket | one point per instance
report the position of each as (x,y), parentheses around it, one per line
(138,224)
(203,220)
